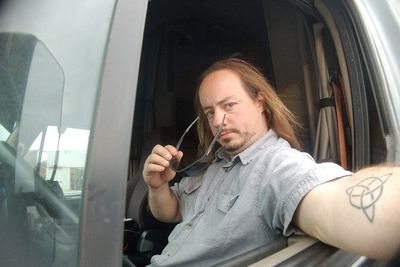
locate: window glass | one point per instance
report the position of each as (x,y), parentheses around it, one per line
(61,157)
(4,134)
(51,56)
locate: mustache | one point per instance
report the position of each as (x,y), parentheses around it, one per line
(227,131)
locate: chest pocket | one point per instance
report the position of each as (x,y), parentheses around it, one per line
(226,201)
(191,184)
(189,191)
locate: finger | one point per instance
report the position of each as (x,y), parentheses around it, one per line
(179,155)
(157,159)
(166,152)
(171,150)
(150,168)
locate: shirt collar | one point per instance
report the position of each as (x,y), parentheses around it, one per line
(249,153)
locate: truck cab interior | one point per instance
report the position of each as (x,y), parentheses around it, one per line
(307,52)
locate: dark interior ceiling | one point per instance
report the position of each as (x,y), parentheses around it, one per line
(238,25)
(239,14)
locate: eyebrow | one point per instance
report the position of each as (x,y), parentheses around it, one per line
(226,99)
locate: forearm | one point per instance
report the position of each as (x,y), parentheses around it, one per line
(163,204)
(359,213)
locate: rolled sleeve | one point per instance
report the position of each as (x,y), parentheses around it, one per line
(289,177)
(320,174)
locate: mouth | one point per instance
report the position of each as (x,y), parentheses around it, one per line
(225,133)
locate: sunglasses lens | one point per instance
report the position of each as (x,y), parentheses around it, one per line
(174,163)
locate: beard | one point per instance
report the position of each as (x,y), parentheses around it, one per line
(238,144)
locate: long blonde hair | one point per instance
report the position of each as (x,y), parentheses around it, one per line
(279,118)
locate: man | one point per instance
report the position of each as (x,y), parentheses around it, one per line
(258,186)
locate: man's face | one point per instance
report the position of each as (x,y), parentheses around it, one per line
(222,92)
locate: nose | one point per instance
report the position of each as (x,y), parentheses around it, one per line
(219,117)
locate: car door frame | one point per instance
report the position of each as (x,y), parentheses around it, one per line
(103,200)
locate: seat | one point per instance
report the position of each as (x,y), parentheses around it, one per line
(144,235)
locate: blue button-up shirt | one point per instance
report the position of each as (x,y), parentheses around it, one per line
(242,203)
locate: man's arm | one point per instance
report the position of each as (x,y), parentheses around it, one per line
(163,204)
(157,173)
(358,213)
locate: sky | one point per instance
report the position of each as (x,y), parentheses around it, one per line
(71,139)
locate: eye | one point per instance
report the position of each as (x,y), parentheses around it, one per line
(229,106)
(209,114)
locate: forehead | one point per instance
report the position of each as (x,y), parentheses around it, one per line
(220,85)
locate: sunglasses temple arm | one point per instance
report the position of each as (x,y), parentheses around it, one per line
(215,137)
(178,145)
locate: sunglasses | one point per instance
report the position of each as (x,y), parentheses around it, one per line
(202,161)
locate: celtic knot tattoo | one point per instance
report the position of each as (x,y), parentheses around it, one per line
(366,193)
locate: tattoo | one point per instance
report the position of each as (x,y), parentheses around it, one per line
(366,193)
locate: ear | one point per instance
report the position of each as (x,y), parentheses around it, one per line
(260,102)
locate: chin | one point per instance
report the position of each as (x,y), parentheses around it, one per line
(232,148)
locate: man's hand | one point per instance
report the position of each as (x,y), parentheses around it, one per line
(157,172)
(157,168)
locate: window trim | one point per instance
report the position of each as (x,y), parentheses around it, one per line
(381,72)
(345,27)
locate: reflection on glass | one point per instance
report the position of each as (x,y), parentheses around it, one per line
(50,70)
(4,134)
(40,105)
(71,147)
(35,214)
